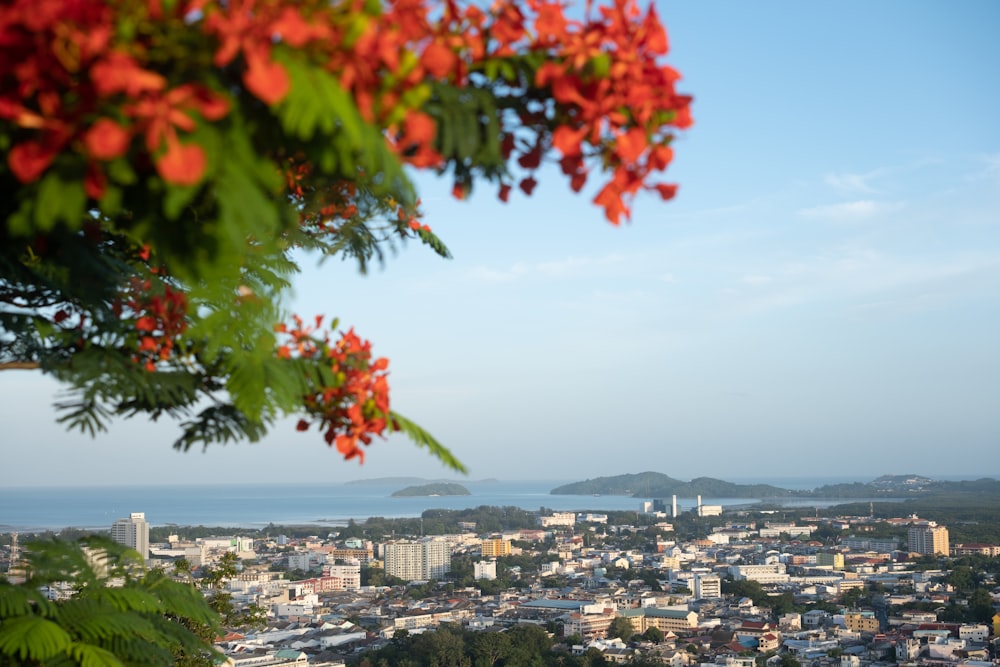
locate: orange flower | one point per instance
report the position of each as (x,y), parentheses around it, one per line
(29,160)
(266,79)
(106,140)
(182,164)
(439,60)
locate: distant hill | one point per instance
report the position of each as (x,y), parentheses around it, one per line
(659,485)
(434,489)
(908,486)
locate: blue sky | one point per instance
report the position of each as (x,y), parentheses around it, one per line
(821,299)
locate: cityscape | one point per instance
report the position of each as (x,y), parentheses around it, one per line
(727,587)
(638,248)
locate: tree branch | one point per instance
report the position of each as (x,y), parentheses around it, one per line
(19,365)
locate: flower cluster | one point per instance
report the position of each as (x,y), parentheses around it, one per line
(597,92)
(351,404)
(158,313)
(70,83)
(205,129)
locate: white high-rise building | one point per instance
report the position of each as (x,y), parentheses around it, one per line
(429,558)
(707,586)
(133,532)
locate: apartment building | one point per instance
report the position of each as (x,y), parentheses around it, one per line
(707,586)
(929,539)
(494,548)
(429,558)
(133,532)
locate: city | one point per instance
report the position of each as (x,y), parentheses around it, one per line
(739,589)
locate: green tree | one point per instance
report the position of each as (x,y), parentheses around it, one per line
(621,628)
(529,645)
(213,581)
(489,648)
(108,610)
(981,608)
(653,634)
(169,164)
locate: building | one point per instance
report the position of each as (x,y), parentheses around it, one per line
(345,577)
(485,569)
(707,586)
(558,519)
(929,539)
(429,558)
(133,532)
(861,621)
(678,621)
(830,559)
(765,574)
(495,548)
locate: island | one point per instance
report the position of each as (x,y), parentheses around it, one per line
(654,484)
(435,489)
(896,487)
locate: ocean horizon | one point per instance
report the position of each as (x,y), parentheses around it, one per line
(30,509)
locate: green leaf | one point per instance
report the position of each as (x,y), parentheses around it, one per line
(94,656)
(59,200)
(120,171)
(177,199)
(32,638)
(424,439)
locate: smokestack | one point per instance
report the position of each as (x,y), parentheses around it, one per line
(675,506)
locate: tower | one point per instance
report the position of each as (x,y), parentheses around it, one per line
(133,532)
(427,559)
(929,539)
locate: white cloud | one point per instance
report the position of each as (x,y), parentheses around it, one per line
(751,279)
(852,183)
(867,277)
(991,166)
(569,267)
(852,210)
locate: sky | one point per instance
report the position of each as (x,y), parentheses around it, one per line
(822,298)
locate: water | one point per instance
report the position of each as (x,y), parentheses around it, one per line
(255,505)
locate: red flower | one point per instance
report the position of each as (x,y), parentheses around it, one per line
(106,140)
(266,79)
(182,164)
(29,160)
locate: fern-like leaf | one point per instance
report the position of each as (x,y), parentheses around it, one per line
(87,655)
(32,638)
(424,439)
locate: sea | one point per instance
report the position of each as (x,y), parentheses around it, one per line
(32,509)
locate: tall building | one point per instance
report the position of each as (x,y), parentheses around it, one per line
(929,538)
(417,561)
(495,547)
(707,586)
(133,532)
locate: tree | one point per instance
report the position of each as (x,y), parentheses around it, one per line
(653,634)
(213,580)
(488,648)
(104,607)
(169,163)
(788,660)
(621,628)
